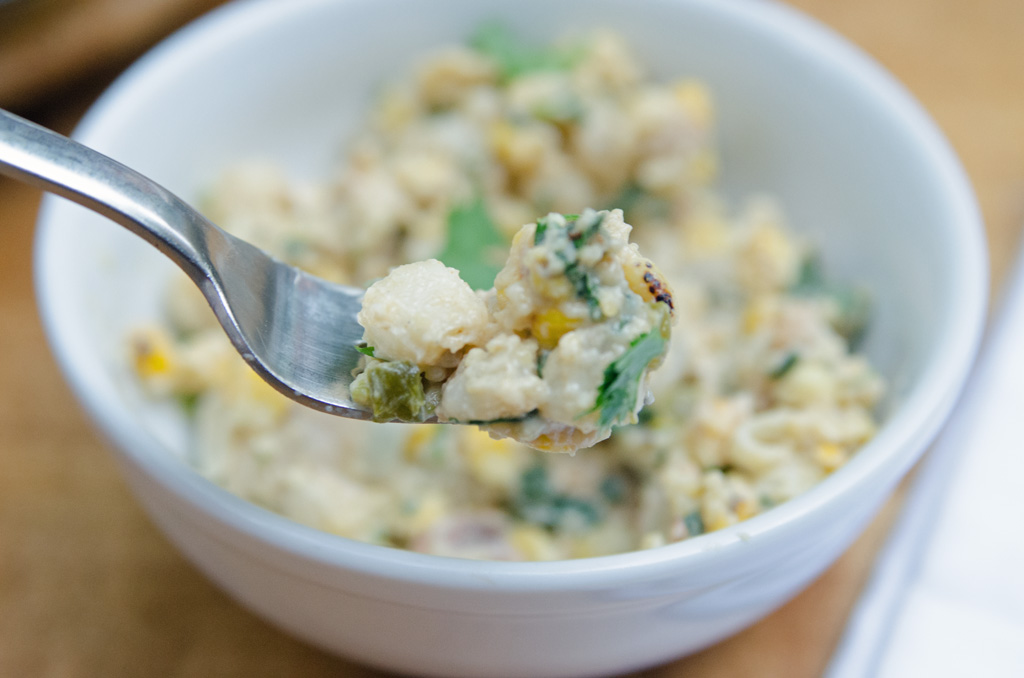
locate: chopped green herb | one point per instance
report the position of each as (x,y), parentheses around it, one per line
(637,204)
(365,350)
(539,503)
(785,366)
(694,523)
(854,314)
(513,57)
(533,484)
(811,278)
(585,284)
(542,359)
(295,248)
(540,231)
(392,390)
(614,488)
(474,246)
(562,109)
(645,416)
(189,403)
(582,233)
(853,304)
(618,394)
(629,197)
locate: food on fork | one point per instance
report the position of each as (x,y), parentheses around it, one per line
(554,356)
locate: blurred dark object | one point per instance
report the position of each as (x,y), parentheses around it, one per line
(48,47)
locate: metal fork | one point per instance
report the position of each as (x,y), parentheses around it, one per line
(295,330)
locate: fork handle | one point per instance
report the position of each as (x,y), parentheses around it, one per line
(50,161)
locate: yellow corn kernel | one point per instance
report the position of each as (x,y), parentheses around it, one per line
(543,442)
(151,352)
(706,237)
(550,324)
(428,512)
(243,384)
(830,456)
(152,364)
(696,101)
(758,313)
(746,508)
(417,441)
(719,521)
(646,280)
(396,110)
(703,167)
(532,542)
(771,243)
(492,462)
(519,151)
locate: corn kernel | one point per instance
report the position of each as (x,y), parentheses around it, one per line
(550,324)
(428,512)
(543,442)
(152,354)
(491,462)
(396,110)
(706,237)
(243,384)
(515,148)
(646,280)
(758,313)
(153,363)
(703,167)
(720,521)
(746,508)
(696,101)
(417,441)
(533,543)
(830,456)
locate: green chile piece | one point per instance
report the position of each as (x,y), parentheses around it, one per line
(393,390)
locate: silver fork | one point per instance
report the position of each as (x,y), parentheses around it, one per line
(295,330)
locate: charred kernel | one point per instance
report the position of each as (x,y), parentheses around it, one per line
(644,279)
(658,290)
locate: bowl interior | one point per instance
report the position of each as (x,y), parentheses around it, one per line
(800,116)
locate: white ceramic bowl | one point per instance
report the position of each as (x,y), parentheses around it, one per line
(856,163)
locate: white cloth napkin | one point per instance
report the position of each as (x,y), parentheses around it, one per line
(947,594)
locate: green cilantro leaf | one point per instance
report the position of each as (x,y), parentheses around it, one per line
(475,247)
(853,304)
(514,57)
(189,403)
(788,363)
(365,350)
(585,284)
(541,231)
(617,395)
(582,233)
(540,503)
(694,523)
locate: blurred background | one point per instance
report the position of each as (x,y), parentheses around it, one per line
(88,587)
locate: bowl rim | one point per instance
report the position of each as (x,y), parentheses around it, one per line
(899,441)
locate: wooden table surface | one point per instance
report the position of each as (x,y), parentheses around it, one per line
(88,587)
